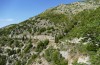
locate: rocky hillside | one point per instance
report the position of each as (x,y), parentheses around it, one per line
(68,34)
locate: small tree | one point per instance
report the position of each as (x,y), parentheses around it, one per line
(56,39)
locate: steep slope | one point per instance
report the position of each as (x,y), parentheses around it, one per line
(85,36)
(64,35)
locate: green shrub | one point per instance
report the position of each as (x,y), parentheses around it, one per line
(42,45)
(18,50)
(58,37)
(42,30)
(27,48)
(3,60)
(95,57)
(53,55)
(18,63)
(11,52)
(32,59)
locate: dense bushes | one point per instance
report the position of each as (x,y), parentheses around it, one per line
(95,57)
(54,17)
(87,21)
(53,55)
